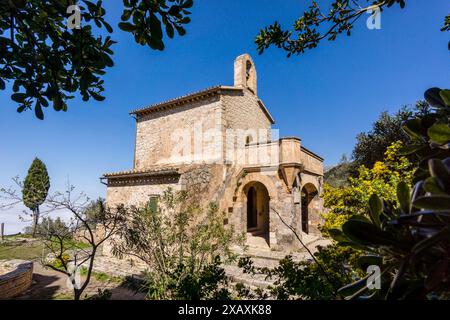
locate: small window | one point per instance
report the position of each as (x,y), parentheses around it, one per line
(153,203)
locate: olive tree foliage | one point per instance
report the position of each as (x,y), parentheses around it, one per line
(317,24)
(48,63)
(47,225)
(183,246)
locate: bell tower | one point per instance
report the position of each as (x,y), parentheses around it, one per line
(245,73)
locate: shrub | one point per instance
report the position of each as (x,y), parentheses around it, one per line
(382,179)
(183,246)
(409,238)
(306,279)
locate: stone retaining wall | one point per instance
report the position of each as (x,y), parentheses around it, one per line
(18,280)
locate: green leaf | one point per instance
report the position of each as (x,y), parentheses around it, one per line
(21,108)
(439,133)
(440,173)
(188,4)
(433,97)
(354,287)
(414,128)
(338,235)
(376,207)
(96,96)
(38,111)
(404,196)
(181,30)
(436,202)
(407,150)
(353,245)
(126,26)
(367,234)
(360,217)
(19,97)
(126,15)
(445,95)
(170,30)
(155,26)
(431,185)
(369,260)
(107,26)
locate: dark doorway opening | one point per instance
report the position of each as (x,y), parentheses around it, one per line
(252,214)
(305,203)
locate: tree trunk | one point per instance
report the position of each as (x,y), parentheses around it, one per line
(77,294)
(35,220)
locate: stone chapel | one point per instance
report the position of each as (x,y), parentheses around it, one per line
(219,144)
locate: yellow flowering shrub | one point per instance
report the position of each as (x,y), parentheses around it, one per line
(382,179)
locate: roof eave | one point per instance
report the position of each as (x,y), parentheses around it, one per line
(183,100)
(266,111)
(120,175)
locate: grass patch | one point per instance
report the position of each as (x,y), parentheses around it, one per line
(10,250)
(24,247)
(63,296)
(18,236)
(101,276)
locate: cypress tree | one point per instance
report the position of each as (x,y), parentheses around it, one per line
(35,189)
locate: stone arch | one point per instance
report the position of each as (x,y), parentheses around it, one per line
(257,177)
(308,179)
(308,196)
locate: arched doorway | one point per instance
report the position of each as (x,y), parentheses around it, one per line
(257,204)
(308,194)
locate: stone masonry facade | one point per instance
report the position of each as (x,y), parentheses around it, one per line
(219,145)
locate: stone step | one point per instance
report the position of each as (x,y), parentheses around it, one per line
(257,242)
(236,275)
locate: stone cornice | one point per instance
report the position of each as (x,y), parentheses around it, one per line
(312,154)
(142,176)
(143,180)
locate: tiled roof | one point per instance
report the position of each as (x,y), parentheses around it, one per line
(147,172)
(184,99)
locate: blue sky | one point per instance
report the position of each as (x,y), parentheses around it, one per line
(326,96)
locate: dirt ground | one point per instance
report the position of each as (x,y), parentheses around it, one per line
(50,284)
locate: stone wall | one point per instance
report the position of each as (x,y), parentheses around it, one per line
(159,133)
(137,194)
(242,111)
(17,280)
(203,183)
(311,163)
